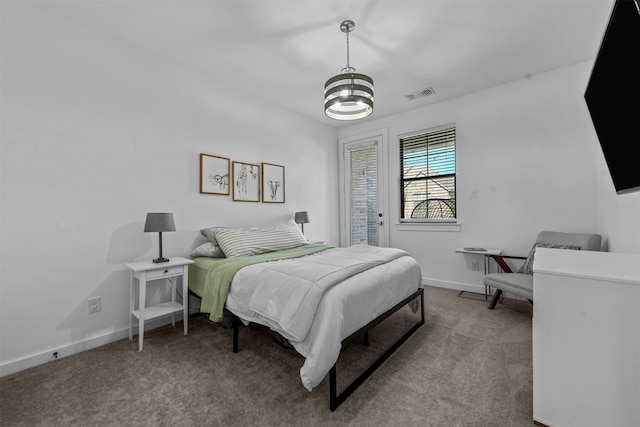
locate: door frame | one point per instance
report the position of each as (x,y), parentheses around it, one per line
(381,136)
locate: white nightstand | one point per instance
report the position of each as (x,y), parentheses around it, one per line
(146,271)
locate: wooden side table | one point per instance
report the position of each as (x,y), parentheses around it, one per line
(146,271)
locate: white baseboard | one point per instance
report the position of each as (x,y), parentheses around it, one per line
(478,289)
(453,285)
(34,360)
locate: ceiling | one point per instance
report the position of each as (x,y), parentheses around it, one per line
(284,51)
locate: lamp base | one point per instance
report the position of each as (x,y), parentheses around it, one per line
(158,260)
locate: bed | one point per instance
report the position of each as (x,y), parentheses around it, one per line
(316,296)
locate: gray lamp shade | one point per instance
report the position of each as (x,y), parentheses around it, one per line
(159,222)
(301,218)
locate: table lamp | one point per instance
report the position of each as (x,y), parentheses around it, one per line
(159,222)
(302,218)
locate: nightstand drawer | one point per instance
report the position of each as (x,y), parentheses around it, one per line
(165,272)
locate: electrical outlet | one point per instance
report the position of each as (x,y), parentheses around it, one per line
(475,265)
(474,194)
(95,305)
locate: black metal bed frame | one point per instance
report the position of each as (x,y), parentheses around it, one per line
(336,399)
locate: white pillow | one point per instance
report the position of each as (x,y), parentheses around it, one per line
(259,240)
(208,249)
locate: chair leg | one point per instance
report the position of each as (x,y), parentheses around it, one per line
(496,298)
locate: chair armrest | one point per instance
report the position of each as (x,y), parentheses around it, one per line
(500,260)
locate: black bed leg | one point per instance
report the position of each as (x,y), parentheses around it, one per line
(333,390)
(366,339)
(236,327)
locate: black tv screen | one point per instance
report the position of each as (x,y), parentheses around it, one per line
(613,96)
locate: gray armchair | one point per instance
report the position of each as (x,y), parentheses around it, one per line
(521,282)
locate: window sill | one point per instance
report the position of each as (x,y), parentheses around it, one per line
(428,226)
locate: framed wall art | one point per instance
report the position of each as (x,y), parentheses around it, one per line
(246,182)
(272,183)
(214,174)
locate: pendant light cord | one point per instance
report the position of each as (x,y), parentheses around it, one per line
(348,49)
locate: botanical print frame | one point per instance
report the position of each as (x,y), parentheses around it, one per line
(246,182)
(272,183)
(214,174)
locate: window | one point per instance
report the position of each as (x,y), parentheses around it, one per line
(428,176)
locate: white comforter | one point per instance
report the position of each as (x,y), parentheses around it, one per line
(341,309)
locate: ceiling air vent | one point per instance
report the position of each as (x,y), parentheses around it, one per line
(424,92)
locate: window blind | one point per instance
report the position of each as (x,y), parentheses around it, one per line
(428,175)
(364,195)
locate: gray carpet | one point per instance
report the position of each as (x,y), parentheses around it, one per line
(467,366)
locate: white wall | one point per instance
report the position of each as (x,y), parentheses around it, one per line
(530,151)
(618,215)
(96,134)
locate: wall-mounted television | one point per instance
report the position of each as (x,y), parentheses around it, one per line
(613,95)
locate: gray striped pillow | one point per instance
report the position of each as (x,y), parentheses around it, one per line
(259,240)
(527,267)
(210,233)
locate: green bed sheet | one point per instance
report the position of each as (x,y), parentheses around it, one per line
(210,278)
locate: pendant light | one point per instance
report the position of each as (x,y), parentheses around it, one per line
(349,95)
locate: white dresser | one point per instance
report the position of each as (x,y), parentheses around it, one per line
(586,338)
